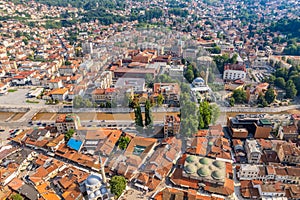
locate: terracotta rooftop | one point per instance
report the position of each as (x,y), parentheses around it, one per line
(15,184)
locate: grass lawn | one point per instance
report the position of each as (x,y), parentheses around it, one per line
(30,101)
(12,90)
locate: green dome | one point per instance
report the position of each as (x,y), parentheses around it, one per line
(191,159)
(204,161)
(217,175)
(190,169)
(203,171)
(218,164)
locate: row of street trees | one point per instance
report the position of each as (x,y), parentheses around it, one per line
(139,117)
(194,118)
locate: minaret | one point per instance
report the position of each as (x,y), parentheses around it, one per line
(206,76)
(102,169)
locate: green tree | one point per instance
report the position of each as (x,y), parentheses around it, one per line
(261,100)
(280,82)
(77,101)
(87,103)
(215,113)
(127,99)
(68,62)
(231,101)
(117,185)
(18,33)
(221,61)
(189,75)
(16,197)
(188,115)
(148,114)
(291,90)
(185,88)
(25,41)
(108,104)
(239,96)
(282,72)
(69,134)
(123,142)
(138,116)
(189,126)
(204,115)
(216,50)
(149,80)
(270,95)
(296,80)
(271,79)
(164,78)
(160,100)
(233,59)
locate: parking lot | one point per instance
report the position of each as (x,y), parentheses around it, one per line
(18,98)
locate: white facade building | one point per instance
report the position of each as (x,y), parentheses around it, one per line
(234,72)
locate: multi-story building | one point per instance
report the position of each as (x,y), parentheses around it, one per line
(67,70)
(248,172)
(87,47)
(55,83)
(170,92)
(103,95)
(190,53)
(66,122)
(234,72)
(105,80)
(288,132)
(243,126)
(253,151)
(288,153)
(271,190)
(136,84)
(171,125)
(176,71)
(59,94)
(288,175)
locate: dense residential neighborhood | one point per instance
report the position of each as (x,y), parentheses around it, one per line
(155,100)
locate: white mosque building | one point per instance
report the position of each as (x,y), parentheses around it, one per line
(95,188)
(200,90)
(199,85)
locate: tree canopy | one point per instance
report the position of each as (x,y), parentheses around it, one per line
(117,185)
(239,96)
(138,116)
(204,115)
(123,142)
(69,134)
(270,95)
(148,114)
(288,79)
(291,90)
(16,197)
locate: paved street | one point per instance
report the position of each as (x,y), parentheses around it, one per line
(237,184)
(4,135)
